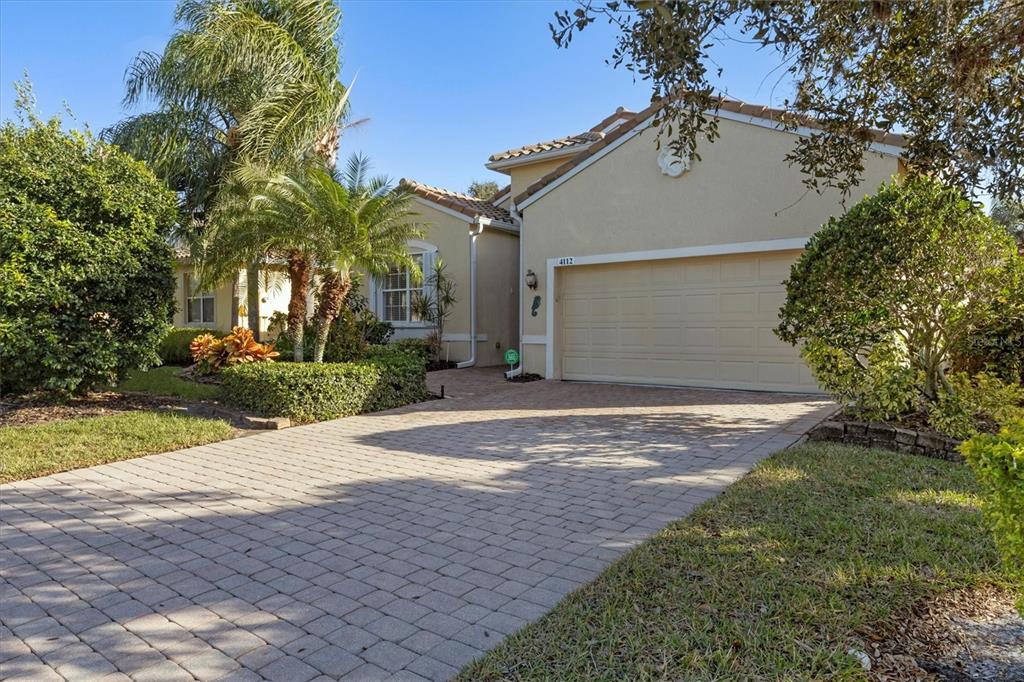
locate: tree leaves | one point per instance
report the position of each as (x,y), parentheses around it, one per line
(948,74)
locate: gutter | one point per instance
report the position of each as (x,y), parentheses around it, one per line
(517,218)
(479,221)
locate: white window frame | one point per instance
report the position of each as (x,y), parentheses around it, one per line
(204,297)
(428,252)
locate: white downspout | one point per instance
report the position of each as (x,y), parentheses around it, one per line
(473,234)
(518,220)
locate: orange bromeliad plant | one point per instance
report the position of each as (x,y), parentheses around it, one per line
(212,354)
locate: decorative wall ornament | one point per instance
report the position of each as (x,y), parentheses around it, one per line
(672,164)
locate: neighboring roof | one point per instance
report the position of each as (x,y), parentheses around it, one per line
(502,195)
(570,141)
(471,207)
(730,105)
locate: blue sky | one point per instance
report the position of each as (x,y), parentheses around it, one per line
(443,84)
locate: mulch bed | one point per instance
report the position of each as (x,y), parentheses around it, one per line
(525,378)
(916,421)
(972,634)
(23,412)
(439,365)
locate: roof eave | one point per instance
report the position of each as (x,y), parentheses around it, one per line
(535,157)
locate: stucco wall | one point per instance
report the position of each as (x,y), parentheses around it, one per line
(497,294)
(223,307)
(497,272)
(525,175)
(274,298)
(741,190)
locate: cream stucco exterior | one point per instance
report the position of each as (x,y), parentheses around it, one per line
(230,297)
(741,191)
(448,237)
(644,274)
(521,177)
(225,301)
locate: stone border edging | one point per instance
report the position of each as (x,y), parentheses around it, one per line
(887,437)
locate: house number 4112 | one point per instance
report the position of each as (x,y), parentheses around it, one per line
(567,260)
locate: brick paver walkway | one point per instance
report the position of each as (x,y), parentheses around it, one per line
(399,544)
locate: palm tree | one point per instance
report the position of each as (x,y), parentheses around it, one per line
(370,222)
(241,82)
(337,222)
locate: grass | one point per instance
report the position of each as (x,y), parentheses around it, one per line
(163,381)
(41,449)
(773,579)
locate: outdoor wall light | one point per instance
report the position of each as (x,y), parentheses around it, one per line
(531,279)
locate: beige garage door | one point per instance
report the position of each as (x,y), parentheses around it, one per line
(685,322)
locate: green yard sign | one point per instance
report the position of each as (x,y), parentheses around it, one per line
(511,356)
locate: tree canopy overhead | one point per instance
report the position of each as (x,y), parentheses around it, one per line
(948,73)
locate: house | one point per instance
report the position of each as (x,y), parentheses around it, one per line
(607,258)
(643,267)
(479,245)
(224,306)
(635,265)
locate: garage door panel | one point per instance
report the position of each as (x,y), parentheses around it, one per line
(604,307)
(774,268)
(576,338)
(699,272)
(636,337)
(699,304)
(739,270)
(608,337)
(738,371)
(737,337)
(778,373)
(700,337)
(699,321)
(575,308)
(705,370)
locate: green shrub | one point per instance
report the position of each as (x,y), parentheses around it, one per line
(973,400)
(918,261)
(307,392)
(420,348)
(174,349)
(998,464)
(879,387)
(86,284)
(997,345)
(350,334)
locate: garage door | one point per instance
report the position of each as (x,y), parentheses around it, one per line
(685,322)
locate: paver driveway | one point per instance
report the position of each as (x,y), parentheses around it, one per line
(403,543)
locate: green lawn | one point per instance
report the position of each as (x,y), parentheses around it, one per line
(41,449)
(163,381)
(771,580)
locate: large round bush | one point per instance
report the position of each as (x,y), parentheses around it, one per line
(883,294)
(86,285)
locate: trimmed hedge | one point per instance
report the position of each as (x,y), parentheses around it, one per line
(174,348)
(308,392)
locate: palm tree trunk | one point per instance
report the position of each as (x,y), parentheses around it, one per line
(333,291)
(298,276)
(252,298)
